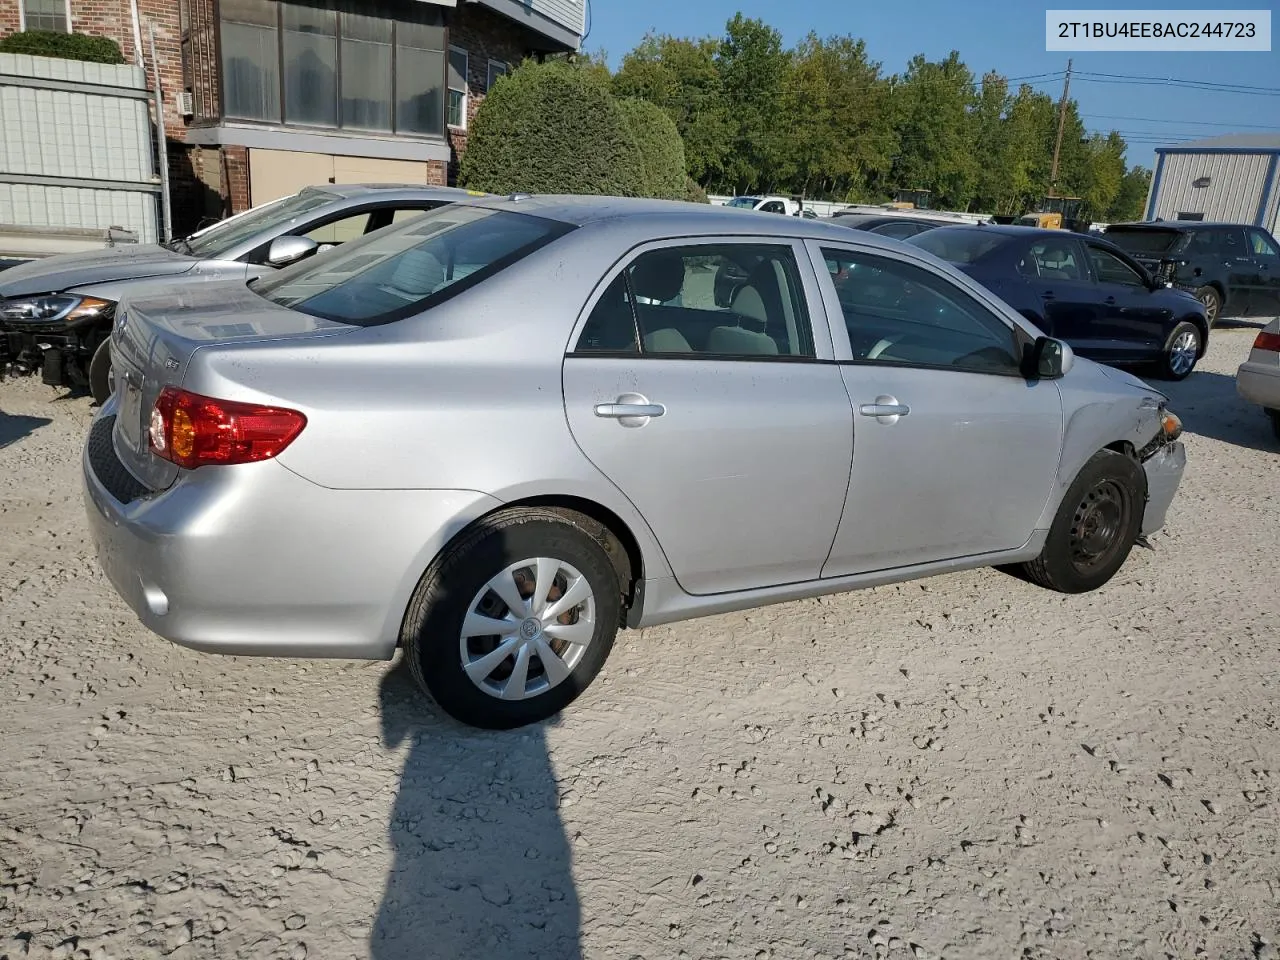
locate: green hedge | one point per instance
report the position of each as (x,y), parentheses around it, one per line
(64,46)
(661,149)
(693,192)
(552,128)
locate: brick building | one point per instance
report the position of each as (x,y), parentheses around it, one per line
(263,97)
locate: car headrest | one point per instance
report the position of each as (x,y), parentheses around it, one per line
(658,276)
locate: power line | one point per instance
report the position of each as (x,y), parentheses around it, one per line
(1186,123)
(1204,85)
(1218,83)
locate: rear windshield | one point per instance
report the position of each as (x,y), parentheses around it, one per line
(748,202)
(407,268)
(958,245)
(1144,241)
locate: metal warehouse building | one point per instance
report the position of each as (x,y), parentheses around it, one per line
(1232,179)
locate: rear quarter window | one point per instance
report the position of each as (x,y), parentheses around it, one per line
(405,269)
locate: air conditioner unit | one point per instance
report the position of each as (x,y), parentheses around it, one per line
(186,105)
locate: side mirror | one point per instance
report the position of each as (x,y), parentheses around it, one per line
(286,250)
(1048,359)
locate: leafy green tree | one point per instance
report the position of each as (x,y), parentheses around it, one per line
(681,77)
(935,150)
(1131,200)
(1104,173)
(552,128)
(661,150)
(836,126)
(753,67)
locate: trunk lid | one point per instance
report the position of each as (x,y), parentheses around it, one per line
(154,339)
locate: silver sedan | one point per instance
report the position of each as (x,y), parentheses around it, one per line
(1258,379)
(498,433)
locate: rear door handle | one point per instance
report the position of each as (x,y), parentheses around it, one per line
(886,409)
(1110,301)
(620,411)
(1048,295)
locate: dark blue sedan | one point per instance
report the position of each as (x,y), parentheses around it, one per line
(1083,290)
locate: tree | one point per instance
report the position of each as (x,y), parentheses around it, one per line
(1104,172)
(752,67)
(552,128)
(838,134)
(935,150)
(680,76)
(661,150)
(989,137)
(1131,200)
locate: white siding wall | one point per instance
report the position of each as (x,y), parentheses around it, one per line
(1237,181)
(568,13)
(93,136)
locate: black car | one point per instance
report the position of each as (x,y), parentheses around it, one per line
(1233,269)
(889,225)
(1083,290)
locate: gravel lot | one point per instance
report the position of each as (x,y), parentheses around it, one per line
(965,767)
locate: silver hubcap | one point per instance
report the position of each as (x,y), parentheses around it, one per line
(527,629)
(1210,302)
(1182,354)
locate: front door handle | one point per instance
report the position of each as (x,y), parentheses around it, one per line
(1110,301)
(630,410)
(886,409)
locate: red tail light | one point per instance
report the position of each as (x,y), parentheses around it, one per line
(1267,341)
(193,431)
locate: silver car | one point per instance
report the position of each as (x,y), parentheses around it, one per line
(496,434)
(56,312)
(1258,379)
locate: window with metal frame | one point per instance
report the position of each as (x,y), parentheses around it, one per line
(46,15)
(458,63)
(497,70)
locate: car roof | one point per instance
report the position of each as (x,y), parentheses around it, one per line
(1189,225)
(671,215)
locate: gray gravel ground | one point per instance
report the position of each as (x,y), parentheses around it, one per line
(966,767)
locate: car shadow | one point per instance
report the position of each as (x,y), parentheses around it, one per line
(481,864)
(14,427)
(1208,405)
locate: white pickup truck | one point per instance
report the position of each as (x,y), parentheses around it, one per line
(782,205)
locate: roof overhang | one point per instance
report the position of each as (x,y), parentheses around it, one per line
(559,37)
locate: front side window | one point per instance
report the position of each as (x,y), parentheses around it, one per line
(736,300)
(402,270)
(45,15)
(746,203)
(1262,245)
(220,239)
(901,315)
(1109,268)
(457,87)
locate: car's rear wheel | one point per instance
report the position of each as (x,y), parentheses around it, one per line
(1096,526)
(100,372)
(514,621)
(1181,351)
(1212,301)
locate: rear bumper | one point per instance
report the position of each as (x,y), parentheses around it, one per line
(1164,471)
(1260,384)
(254,560)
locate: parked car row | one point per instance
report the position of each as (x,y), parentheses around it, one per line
(497,433)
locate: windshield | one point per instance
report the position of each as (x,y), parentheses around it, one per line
(218,240)
(1144,241)
(748,202)
(958,245)
(404,269)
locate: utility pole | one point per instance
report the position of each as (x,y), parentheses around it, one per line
(1062,120)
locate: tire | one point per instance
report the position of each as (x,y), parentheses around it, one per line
(100,373)
(1074,560)
(1181,352)
(459,583)
(1212,301)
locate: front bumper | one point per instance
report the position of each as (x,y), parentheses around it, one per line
(1259,383)
(1164,471)
(255,560)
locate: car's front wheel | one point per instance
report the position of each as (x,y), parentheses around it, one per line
(1181,351)
(1095,527)
(513,621)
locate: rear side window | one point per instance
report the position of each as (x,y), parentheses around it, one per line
(730,300)
(405,269)
(958,245)
(1052,260)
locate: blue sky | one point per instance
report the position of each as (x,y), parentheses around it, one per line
(1004,35)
